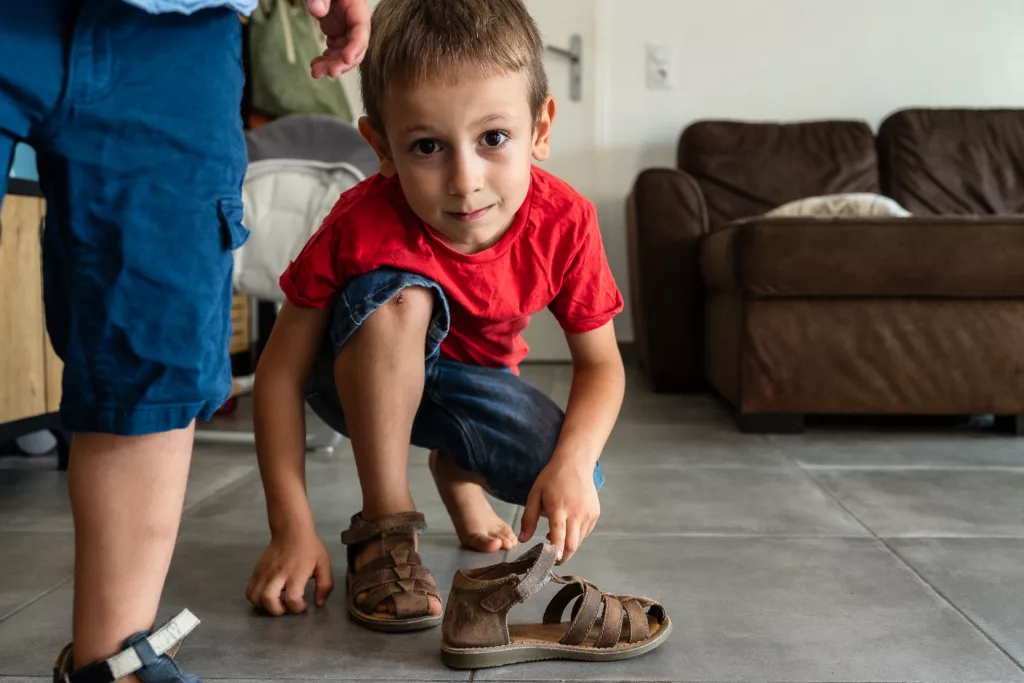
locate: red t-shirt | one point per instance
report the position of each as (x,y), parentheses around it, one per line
(551,256)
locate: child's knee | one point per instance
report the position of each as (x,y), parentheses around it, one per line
(411,309)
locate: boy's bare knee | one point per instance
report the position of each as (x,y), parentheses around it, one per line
(412,305)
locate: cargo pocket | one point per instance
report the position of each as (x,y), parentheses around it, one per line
(234,233)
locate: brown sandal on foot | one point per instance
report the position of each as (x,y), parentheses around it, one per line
(604,627)
(397,575)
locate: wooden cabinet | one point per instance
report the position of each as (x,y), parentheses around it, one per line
(29,369)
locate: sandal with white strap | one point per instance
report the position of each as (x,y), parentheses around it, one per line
(147,655)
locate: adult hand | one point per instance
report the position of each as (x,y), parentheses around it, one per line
(346,23)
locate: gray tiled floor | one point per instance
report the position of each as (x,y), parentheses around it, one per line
(867,552)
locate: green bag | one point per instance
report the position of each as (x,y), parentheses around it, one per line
(283,39)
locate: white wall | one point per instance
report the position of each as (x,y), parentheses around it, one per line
(786,60)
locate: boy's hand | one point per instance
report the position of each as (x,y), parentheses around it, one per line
(286,567)
(346,23)
(565,494)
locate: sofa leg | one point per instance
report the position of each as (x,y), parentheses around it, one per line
(770,423)
(1010,424)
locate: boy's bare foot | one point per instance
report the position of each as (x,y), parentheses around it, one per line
(368,553)
(479,527)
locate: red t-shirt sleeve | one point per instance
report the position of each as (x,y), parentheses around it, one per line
(589,297)
(311,280)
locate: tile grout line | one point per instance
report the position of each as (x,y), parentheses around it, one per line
(22,608)
(915,572)
(195,505)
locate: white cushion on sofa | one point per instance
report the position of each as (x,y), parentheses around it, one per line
(853,205)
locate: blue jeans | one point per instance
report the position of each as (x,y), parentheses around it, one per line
(136,123)
(490,422)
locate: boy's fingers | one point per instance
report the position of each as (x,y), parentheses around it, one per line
(255,588)
(530,516)
(556,534)
(294,595)
(572,540)
(249,587)
(590,528)
(324,582)
(270,596)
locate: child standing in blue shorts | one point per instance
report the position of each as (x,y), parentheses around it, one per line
(133,108)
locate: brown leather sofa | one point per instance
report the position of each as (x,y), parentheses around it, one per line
(786,317)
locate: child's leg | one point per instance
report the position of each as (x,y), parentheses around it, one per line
(137,283)
(126,498)
(379,373)
(479,527)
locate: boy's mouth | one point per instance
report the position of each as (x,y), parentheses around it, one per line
(469,217)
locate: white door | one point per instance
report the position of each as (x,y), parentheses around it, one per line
(574,137)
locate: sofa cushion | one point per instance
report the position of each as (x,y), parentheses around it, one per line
(747,169)
(954,161)
(849,205)
(897,257)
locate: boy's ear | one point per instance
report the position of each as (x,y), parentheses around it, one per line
(380,146)
(542,129)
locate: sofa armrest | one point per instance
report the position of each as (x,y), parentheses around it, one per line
(943,257)
(666,219)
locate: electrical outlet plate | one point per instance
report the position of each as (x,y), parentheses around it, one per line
(659,66)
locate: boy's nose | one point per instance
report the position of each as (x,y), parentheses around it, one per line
(467,175)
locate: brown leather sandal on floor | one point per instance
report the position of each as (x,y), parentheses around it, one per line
(604,627)
(397,575)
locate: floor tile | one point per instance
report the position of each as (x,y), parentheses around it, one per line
(32,563)
(674,500)
(688,445)
(334,494)
(234,641)
(778,610)
(932,502)
(982,577)
(37,500)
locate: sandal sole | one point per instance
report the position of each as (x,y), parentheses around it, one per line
(394,625)
(486,658)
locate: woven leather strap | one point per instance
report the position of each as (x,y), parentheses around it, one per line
(403,523)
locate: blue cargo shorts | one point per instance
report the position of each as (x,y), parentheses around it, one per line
(489,421)
(136,123)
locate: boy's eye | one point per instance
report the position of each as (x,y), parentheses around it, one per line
(495,138)
(425,147)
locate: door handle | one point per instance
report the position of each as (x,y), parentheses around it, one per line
(575,56)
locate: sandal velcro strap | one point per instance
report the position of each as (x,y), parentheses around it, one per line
(403,523)
(538,562)
(142,654)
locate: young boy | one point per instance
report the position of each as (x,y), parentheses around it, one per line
(420,281)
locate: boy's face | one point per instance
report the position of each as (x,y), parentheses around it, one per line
(463,152)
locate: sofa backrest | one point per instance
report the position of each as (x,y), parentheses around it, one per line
(954,161)
(746,169)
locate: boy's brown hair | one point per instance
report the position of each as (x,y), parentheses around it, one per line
(412,41)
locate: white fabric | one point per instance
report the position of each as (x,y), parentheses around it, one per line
(170,634)
(285,201)
(850,205)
